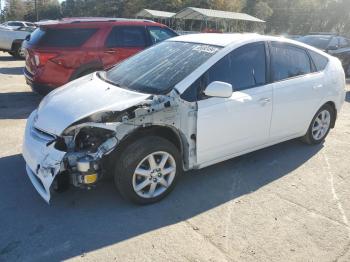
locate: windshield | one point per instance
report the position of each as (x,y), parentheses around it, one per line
(318,41)
(158,69)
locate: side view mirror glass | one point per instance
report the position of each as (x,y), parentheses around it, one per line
(332,48)
(218,89)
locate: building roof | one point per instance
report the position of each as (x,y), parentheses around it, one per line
(148,13)
(194,13)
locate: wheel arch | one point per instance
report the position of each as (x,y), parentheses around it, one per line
(332,104)
(16,43)
(167,132)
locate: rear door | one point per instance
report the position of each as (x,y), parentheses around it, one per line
(297,90)
(123,42)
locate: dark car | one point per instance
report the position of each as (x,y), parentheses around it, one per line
(60,51)
(335,45)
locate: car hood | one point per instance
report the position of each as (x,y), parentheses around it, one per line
(82,98)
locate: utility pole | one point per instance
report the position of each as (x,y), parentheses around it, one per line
(36,10)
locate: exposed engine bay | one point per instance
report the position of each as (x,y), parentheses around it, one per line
(90,140)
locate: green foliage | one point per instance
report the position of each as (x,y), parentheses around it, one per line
(281,16)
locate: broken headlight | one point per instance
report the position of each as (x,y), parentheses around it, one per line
(90,138)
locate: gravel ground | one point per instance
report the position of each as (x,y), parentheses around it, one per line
(289,202)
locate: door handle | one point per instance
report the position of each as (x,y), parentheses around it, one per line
(264,100)
(110,51)
(315,87)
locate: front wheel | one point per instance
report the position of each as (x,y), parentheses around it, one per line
(320,125)
(18,52)
(147,170)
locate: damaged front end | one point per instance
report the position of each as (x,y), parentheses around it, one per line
(77,155)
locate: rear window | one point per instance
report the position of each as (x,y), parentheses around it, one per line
(58,37)
(319,60)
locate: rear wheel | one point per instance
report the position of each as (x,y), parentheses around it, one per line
(147,170)
(320,125)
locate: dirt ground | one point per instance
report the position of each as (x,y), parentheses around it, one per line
(289,202)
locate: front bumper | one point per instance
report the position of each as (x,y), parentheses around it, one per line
(43,161)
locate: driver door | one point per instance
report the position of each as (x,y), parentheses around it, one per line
(234,125)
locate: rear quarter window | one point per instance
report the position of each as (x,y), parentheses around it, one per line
(67,37)
(320,61)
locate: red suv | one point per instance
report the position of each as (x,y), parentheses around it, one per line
(60,51)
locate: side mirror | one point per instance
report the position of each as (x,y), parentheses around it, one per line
(332,48)
(218,89)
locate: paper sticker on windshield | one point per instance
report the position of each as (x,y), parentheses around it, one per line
(205,48)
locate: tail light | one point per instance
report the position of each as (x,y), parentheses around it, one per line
(42,58)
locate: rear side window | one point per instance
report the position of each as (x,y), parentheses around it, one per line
(320,61)
(288,62)
(159,34)
(244,68)
(127,36)
(67,37)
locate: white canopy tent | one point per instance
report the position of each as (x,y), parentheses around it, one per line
(215,19)
(202,19)
(159,16)
(194,13)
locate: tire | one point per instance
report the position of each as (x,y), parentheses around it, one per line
(136,155)
(320,125)
(347,70)
(17,51)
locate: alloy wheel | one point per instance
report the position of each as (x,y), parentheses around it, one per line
(321,125)
(154,174)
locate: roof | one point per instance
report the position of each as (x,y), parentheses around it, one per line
(215,39)
(223,40)
(154,13)
(86,20)
(195,13)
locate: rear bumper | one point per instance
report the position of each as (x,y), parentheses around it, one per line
(39,88)
(43,162)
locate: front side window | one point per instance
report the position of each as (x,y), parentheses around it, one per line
(159,34)
(15,24)
(243,68)
(159,68)
(288,62)
(127,36)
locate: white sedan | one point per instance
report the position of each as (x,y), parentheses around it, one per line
(186,103)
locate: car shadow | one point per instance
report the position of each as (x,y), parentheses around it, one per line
(12,70)
(18,105)
(8,58)
(80,221)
